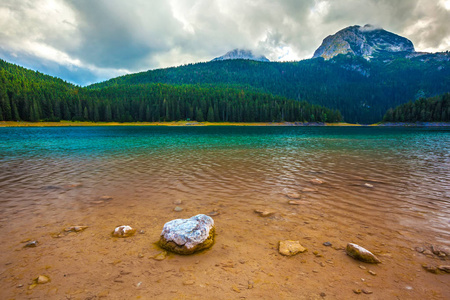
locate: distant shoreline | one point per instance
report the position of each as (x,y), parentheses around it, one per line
(194,123)
(177,123)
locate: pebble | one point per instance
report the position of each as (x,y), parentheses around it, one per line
(123,231)
(294,202)
(441,251)
(294,195)
(420,249)
(178,209)
(316,181)
(427,252)
(327,244)
(317,254)
(367,292)
(362,267)
(368,185)
(372,273)
(436,269)
(444,268)
(75,228)
(323,295)
(42,279)
(177,202)
(357,291)
(251,284)
(213,213)
(362,254)
(160,256)
(264,213)
(290,248)
(31,244)
(236,289)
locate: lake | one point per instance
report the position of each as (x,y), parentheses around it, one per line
(386,189)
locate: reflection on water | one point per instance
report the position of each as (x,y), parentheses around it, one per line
(383,179)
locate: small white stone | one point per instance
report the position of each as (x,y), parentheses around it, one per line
(123,231)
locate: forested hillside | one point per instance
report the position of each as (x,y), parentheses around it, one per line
(30,96)
(435,109)
(362,90)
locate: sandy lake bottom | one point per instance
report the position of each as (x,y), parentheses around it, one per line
(387,190)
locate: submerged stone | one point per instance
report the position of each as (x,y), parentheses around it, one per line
(160,256)
(441,251)
(75,228)
(264,213)
(123,231)
(316,181)
(290,248)
(31,244)
(294,195)
(362,254)
(186,236)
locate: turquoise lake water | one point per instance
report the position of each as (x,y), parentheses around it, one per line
(408,167)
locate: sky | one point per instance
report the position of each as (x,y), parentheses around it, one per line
(88,41)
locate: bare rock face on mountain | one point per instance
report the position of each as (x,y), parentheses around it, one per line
(363,41)
(241,54)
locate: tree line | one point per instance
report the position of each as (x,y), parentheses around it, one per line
(30,96)
(434,109)
(361,90)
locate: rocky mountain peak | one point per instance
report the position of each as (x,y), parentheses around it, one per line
(363,41)
(241,54)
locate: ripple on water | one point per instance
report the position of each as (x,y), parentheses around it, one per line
(406,169)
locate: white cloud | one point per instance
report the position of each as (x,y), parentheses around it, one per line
(106,37)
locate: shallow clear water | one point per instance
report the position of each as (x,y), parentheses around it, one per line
(393,181)
(409,167)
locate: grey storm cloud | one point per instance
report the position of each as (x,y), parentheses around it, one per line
(87,41)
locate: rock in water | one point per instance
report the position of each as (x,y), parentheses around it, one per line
(123,231)
(186,236)
(31,244)
(441,251)
(316,181)
(264,213)
(290,248)
(361,254)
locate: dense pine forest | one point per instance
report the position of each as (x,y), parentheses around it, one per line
(435,109)
(361,90)
(31,96)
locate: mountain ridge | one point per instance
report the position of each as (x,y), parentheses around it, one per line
(363,41)
(241,54)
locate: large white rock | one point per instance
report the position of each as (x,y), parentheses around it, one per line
(186,236)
